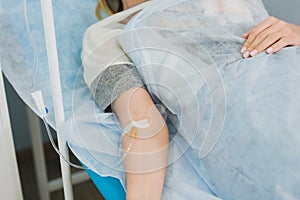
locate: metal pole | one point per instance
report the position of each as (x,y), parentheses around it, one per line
(38,154)
(49,29)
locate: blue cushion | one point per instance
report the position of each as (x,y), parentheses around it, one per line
(109,187)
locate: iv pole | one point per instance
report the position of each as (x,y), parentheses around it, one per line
(50,38)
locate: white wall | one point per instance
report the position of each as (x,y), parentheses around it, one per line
(288,10)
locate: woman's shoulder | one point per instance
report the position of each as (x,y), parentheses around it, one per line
(99,32)
(102,27)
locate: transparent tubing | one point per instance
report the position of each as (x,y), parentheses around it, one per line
(50,38)
(32,42)
(57,149)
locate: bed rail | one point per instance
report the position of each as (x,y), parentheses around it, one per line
(10,187)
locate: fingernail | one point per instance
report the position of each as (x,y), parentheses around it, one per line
(253,53)
(269,50)
(243,50)
(246,54)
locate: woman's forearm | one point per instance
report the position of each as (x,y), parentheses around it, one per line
(146,160)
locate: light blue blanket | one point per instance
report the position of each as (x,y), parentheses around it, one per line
(241,116)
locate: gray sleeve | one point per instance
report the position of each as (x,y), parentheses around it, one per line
(113,81)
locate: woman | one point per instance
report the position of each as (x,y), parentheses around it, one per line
(117,86)
(261,38)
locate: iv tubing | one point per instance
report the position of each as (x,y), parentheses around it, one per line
(57,149)
(32,42)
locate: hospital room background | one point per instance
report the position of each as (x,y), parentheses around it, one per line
(287,10)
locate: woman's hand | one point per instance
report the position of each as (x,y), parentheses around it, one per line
(271,35)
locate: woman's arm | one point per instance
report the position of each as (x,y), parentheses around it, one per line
(145,163)
(271,35)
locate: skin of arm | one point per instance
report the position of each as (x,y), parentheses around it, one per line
(145,163)
(271,35)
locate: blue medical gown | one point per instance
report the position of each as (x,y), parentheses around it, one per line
(241,116)
(257,155)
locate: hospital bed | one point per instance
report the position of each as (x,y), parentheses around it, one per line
(23,50)
(26,53)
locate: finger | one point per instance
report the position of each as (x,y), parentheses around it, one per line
(246,35)
(256,30)
(283,42)
(266,38)
(268,42)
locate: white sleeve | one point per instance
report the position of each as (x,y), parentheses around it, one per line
(101,48)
